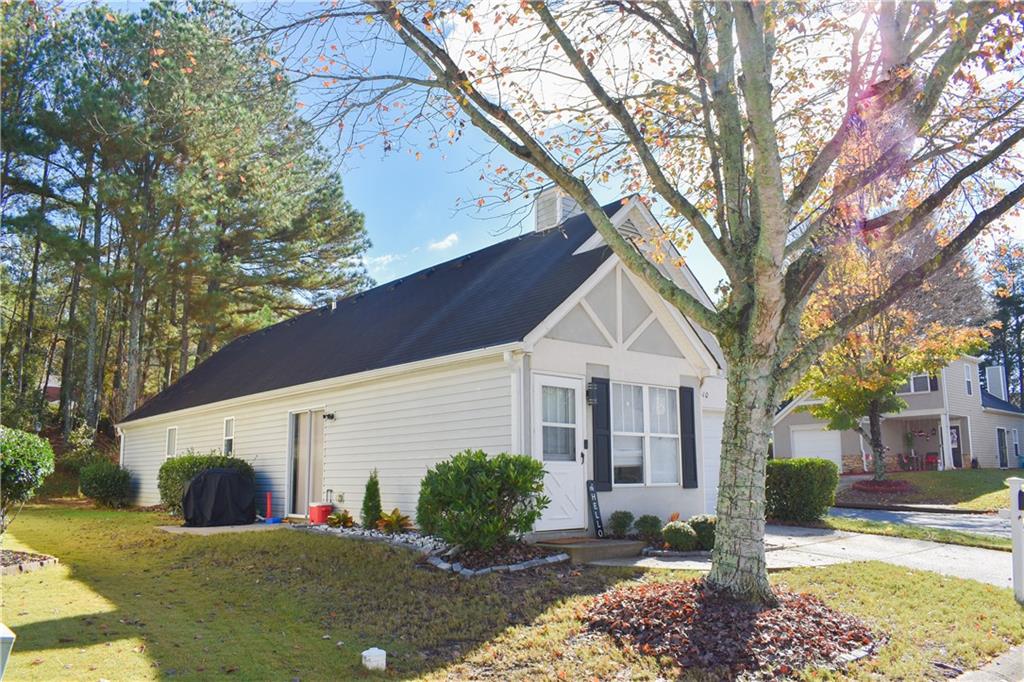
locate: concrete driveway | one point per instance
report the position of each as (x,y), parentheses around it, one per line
(792,546)
(986,524)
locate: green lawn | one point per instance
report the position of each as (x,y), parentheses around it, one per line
(969,489)
(132,603)
(906,530)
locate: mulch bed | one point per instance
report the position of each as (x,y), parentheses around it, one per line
(13,562)
(887,486)
(699,627)
(501,556)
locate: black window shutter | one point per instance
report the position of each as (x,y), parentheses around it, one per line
(933,383)
(602,433)
(688,432)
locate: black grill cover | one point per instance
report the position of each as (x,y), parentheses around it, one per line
(219,497)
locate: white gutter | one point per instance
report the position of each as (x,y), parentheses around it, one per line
(333,382)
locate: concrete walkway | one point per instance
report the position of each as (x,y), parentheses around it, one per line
(791,546)
(985,524)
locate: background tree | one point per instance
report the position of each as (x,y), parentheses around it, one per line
(858,379)
(1005,270)
(761,128)
(160,196)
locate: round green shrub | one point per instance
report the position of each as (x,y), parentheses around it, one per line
(648,527)
(704,526)
(800,489)
(176,473)
(25,462)
(107,484)
(679,536)
(619,523)
(479,502)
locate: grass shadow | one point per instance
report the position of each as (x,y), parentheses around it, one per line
(265,605)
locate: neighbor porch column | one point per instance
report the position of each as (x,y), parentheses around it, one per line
(947,446)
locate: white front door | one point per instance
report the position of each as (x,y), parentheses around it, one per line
(558,442)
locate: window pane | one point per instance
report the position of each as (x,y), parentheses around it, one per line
(172,437)
(627,408)
(229,428)
(628,459)
(664,411)
(558,405)
(905,388)
(559,444)
(921,383)
(664,460)
(229,446)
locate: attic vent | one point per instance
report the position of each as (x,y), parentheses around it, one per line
(628,229)
(553,207)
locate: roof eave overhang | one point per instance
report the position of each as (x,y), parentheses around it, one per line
(334,382)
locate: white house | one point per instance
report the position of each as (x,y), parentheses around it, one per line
(543,344)
(950,422)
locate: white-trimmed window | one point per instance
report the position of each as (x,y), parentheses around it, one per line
(645,435)
(918,383)
(171,444)
(968,379)
(229,436)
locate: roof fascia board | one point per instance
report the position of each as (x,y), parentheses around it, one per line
(1002,411)
(333,382)
(802,399)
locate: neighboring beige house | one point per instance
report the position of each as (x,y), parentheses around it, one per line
(544,344)
(981,425)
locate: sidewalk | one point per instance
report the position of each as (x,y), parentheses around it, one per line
(791,546)
(985,524)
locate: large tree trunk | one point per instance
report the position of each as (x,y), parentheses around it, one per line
(91,339)
(875,432)
(739,559)
(183,340)
(133,371)
(30,318)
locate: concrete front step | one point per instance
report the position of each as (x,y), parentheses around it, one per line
(584,550)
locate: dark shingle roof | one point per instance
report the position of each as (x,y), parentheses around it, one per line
(996,403)
(493,296)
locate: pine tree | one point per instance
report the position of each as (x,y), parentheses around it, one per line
(371,502)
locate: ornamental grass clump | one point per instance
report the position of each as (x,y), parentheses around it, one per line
(479,502)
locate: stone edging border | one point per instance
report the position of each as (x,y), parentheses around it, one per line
(29,566)
(456,567)
(370,536)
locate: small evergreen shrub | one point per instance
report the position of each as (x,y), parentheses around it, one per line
(619,523)
(106,484)
(704,526)
(679,536)
(372,511)
(800,489)
(394,522)
(479,502)
(648,527)
(176,473)
(25,462)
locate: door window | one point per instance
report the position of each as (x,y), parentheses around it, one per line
(558,423)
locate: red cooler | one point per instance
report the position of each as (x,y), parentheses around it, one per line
(318,513)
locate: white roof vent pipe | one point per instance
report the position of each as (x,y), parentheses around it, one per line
(995,379)
(553,207)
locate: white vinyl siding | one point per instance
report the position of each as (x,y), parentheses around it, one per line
(400,425)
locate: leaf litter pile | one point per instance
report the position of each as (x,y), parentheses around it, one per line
(698,626)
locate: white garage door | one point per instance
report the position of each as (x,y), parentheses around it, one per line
(813,441)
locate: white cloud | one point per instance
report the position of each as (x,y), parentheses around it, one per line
(383,260)
(446,243)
